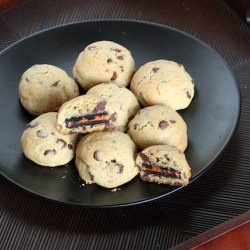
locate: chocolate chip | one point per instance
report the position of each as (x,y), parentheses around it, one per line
(55,84)
(114,76)
(120,57)
(42,133)
(91,47)
(109,60)
(172,121)
(188,95)
(113,117)
(155,69)
(192,81)
(62,142)
(91,177)
(163,124)
(27,79)
(144,157)
(95,156)
(109,126)
(70,146)
(100,106)
(116,50)
(50,152)
(122,68)
(136,126)
(32,125)
(120,168)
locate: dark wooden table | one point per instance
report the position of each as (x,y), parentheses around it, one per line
(221,194)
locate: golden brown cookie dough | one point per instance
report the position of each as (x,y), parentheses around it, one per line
(44,145)
(44,88)
(104,61)
(163,82)
(158,125)
(106,158)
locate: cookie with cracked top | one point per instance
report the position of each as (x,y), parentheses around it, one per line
(163,82)
(43,144)
(158,125)
(44,88)
(106,158)
(104,61)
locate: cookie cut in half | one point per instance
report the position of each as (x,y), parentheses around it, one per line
(85,114)
(123,101)
(164,164)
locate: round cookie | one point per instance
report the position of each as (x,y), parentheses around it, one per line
(44,88)
(123,100)
(106,158)
(164,164)
(158,125)
(163,82)
(104,61)
(44,145)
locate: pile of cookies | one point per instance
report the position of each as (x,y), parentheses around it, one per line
(126,123)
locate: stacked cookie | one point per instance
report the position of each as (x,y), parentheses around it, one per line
(113,132)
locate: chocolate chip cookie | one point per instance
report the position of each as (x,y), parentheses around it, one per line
(104,61)
(44,145)
(44,88)
(106,158)
(163,82)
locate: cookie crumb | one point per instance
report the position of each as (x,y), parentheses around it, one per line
(115,189)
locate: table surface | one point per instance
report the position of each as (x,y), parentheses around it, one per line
(222,193)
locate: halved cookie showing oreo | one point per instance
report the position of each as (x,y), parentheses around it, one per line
(164,164)
(86,113)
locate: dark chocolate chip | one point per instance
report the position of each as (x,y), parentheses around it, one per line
(109,126)
(61,141)
(120,168)
(55,84)
(114,76)
(95,156)
(109,60)
(100,106)
(70,146)
(136,126)
(120,57)
(50,152)
(144,157)
(42,133)
(155,69)
(188,95)
(91,47)
(163,124)
(113,117)
(32,125)
(116,50)
(172,121)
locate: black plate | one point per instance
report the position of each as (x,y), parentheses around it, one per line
(211,118)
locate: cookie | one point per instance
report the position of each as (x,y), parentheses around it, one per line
(44,145)
(87,113)
(163,82)
(123,100)
(44,88)
(106,158)
(104,61)
(164,164)
(158,125)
